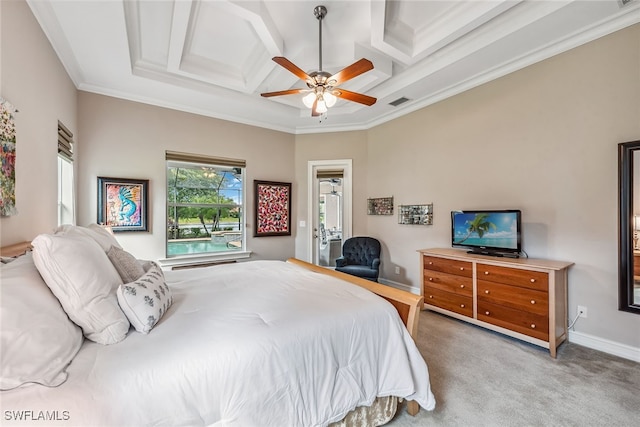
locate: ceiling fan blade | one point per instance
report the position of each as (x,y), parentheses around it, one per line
(355,97)
(353,70)
(284,92)
(285,63)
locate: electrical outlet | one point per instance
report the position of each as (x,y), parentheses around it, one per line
(582,311)
(397,269)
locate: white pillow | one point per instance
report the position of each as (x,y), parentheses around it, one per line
(37,339)
(127,266)
(78,272)
(146,300)
(101,235)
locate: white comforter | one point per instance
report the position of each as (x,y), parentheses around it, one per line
(250,344)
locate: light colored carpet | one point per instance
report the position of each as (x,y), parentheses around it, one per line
(481,378)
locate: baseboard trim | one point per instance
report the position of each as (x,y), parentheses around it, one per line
(604,345)
(586,340)
(399,285)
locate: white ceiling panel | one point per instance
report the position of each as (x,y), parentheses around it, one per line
(213,57)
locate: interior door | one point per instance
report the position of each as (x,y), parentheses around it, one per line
(329,210)
(329,219)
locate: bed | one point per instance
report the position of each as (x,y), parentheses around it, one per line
(258,343)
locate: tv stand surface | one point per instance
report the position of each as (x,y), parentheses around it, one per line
(495,254)
(524,298)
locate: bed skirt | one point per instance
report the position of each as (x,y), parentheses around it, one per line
(379,413)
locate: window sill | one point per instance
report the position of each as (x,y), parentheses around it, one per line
(196,260)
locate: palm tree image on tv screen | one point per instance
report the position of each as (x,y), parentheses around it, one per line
(490,230)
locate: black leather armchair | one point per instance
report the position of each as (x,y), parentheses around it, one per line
(360,257)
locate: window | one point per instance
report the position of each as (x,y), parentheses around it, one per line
(66,199)
(205,205)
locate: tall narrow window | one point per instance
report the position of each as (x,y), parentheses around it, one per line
(66,198)
(205,204)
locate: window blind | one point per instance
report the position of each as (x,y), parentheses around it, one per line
(330,173)
(199,158)
(65,142)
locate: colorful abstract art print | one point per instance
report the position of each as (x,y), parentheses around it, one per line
(7,159)
(122,203)
(272,208)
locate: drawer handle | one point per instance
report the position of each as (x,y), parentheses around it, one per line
(486,313)
(461,305)
(533,280)
(431,279)
(461,268)
(430,262)
(533,326)
(462,286)
(487,292)
(486,273)
(533,301)
(430,296)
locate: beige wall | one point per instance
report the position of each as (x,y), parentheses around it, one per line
(331,146)
(127,139)
(33,79)
(542,139)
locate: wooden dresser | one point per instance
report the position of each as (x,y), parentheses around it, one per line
(524,298)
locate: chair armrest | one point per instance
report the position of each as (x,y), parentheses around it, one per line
(341,261)
(376,264)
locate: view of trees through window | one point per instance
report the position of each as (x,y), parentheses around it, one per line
(204,208)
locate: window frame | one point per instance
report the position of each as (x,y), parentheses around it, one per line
(205,258)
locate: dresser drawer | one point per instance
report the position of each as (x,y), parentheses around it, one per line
(531,324)
(459,268)
(449,282)
(524,299)
(449,301)
(514,276)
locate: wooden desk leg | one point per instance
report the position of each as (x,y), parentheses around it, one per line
(412,407)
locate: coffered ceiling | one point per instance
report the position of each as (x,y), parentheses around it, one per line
(214,57)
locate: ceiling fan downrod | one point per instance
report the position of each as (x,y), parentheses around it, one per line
(320,12)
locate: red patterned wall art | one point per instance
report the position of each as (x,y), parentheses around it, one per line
(272,208)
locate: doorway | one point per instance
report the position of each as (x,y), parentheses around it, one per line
(329,209)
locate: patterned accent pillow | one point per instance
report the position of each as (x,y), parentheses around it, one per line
(128,267)
(145,300)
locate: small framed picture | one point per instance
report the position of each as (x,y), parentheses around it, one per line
(122,203)
(272,208)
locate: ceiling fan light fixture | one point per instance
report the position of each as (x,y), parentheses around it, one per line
(322,92)
(329,99)
(322,106)
(309,99)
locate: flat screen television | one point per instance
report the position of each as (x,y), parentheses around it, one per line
(487,232)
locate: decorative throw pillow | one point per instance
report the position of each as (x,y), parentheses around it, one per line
(37,339)
(128,267)
(80,275)
(145,300)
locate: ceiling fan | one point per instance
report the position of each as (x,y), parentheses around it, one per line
(322,86)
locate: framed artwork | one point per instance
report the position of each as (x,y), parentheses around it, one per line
(122,203)
(380,206)
(272,208)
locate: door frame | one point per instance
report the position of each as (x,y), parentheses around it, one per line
(313,200)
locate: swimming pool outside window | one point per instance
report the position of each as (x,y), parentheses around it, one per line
(205,205)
